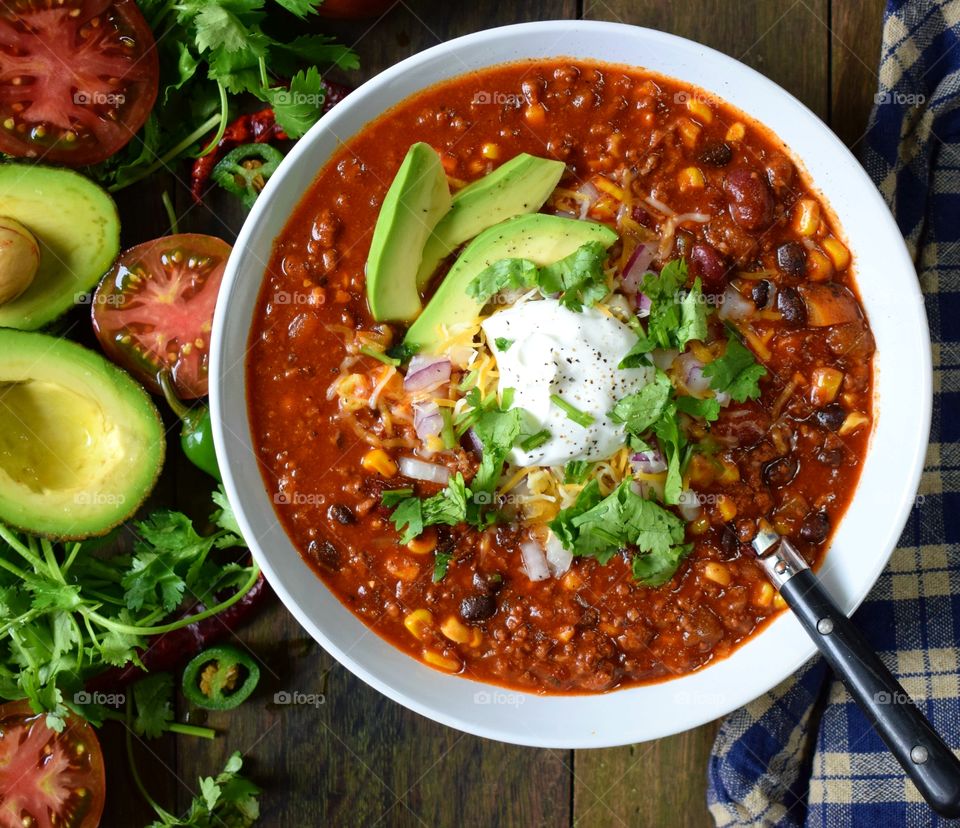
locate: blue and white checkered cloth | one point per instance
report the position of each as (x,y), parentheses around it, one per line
(804,754)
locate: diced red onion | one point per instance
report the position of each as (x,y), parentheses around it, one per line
(534,561)
(643,305)
(591,194)
(427,420)
(637,267)
(558,557)
(734,305)
(426,372)
(419,470)
(723,398)
(663,359)
(689,505)
(474,441)
(691,371)
(648,462)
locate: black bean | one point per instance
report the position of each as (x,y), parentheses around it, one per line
(760,293)
(716,155)
(751,202)
(729,542)
(815,527)
(488,584)
(791,306)
(477,607)
(831,416)
(589,618)
(792,258)
(341,514)
(832,457)
(779,472)
(325,554)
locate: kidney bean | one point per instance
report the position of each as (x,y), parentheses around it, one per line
(779,171)
(791,306)
(477,607)
(831,416)
(716,155)
(707,263)
(815,527)
(777,473)
(751,202)
(792,258)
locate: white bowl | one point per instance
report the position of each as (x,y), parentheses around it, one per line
(862,543)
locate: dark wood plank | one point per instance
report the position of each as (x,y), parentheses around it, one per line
(358,758)
(663,783)
(856,30)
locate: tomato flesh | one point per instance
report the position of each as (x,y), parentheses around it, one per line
(154,310)
(48,779)
(78,78)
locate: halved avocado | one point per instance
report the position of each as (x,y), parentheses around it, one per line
(81,443)
(78,230)
(520,186)
(415,202)
(538,237)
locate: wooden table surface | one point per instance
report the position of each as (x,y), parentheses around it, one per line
(354,757)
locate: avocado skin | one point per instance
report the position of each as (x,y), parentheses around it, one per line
(104,502)
(519,186)
(417,199)
(77,226)
(541,238)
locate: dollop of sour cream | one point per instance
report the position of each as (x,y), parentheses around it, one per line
(571,354)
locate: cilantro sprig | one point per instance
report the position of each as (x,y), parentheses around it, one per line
(599,527)
(737,372)
(579,278)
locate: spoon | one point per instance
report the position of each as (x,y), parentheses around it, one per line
(910,737)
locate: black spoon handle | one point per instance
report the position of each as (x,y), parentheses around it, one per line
(907,733)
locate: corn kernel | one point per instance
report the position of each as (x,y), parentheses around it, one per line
(727,508)
(535,115)
(701,351)
(825,385)
(615,144)
(424,543)
(819,267)
(565,634)
(700,110)
(702,471)
(490,151)
(717,573)
(853,422)
(417,622)
(699,526)
(377,460)
(444,663)
(837,252)
(449,163)
(806,217)
(763,595)
(689,132)
(778,602)
(730,473)
(476,637)
(736,132)
(572,581)
(403,570)
(690,178)
(455,631)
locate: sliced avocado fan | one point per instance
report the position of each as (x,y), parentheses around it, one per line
(519,186)
(76,225)
(81,443)
(417,199)
(541,238)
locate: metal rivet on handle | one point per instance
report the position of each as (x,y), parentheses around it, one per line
(824,626)
(919,754)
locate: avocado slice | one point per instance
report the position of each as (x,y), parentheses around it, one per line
(81,443)
(415,202)
(541,238)
(78,229)
(520,186)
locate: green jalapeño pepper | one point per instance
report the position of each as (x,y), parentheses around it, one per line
(220,678)
(196,433)
(244,170)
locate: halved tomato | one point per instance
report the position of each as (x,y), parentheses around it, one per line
(48,779)
(78,78)
(154,310)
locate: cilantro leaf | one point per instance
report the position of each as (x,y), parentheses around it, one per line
(153,705)
(579,277)
(300,106)
(407,517)
(441,562)
(576,471)
(737,372)
(672,444)
(563,524)
(639,411)
(497,431)
(706,409)
(505,274)
(502,343)
(693,316)
(411,515)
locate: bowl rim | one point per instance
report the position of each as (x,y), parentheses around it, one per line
(233,471)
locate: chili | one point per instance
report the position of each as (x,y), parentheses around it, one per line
(220,678)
